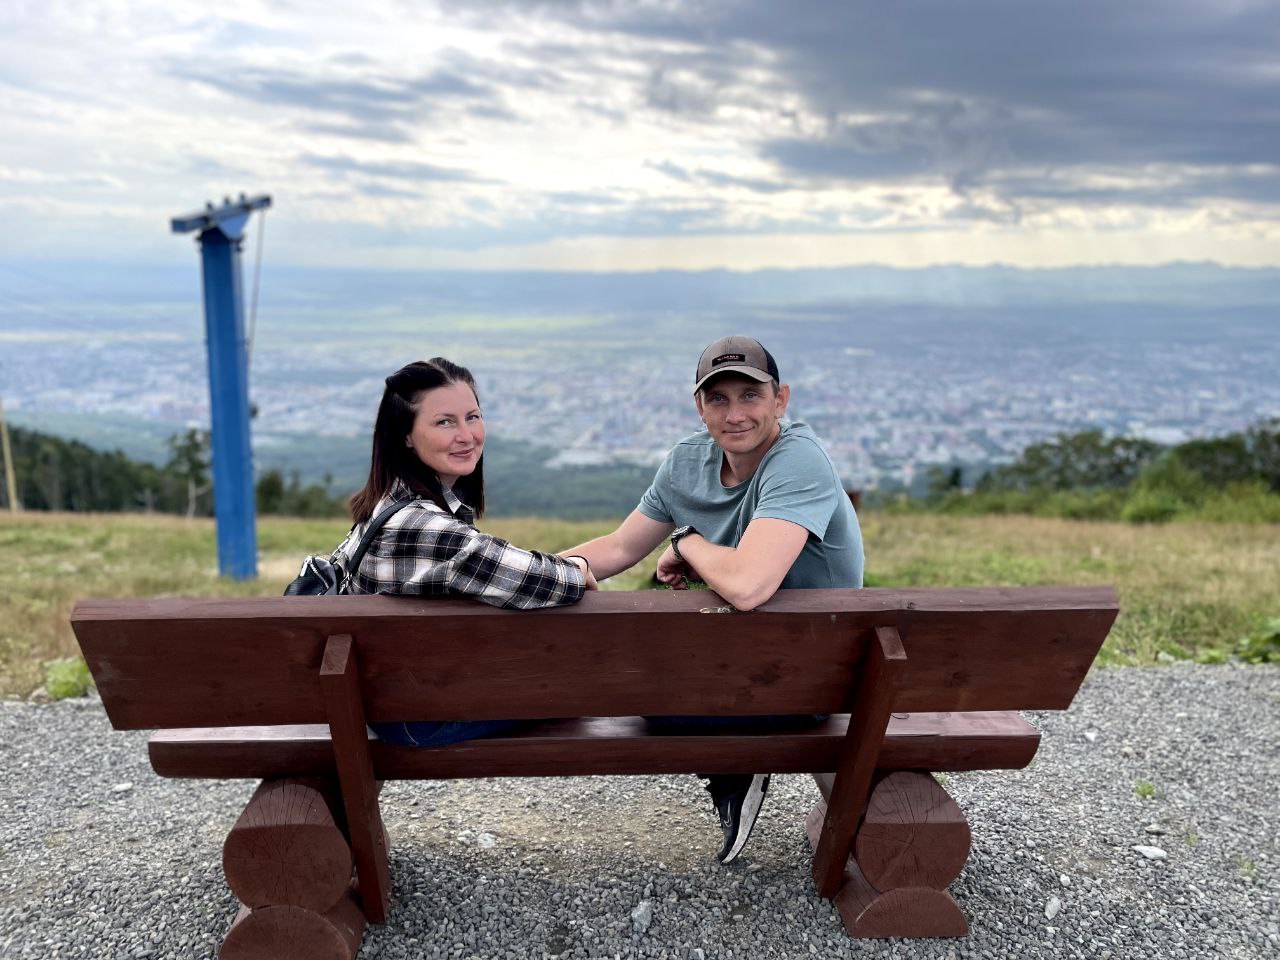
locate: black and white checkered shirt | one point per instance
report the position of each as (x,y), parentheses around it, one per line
(423,550)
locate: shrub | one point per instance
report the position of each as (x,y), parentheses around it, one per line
(1083,504)
(1245,502)
(67,678)
(1151,506)
(1262,646)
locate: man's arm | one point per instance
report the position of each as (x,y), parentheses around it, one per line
(750,573)
(634,540)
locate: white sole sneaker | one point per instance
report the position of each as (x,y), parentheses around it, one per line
(747,819)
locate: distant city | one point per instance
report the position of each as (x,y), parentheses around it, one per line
(893,386)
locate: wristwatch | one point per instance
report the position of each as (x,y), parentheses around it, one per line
(676,534)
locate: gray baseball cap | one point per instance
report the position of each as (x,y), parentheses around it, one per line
(735,355)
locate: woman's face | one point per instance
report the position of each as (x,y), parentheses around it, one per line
(448,431)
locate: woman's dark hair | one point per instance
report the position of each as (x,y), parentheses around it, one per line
(393,460)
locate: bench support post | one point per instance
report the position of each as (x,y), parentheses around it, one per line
(911,844)
(341,685)
(883,666)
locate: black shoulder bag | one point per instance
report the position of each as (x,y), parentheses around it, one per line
(321,577)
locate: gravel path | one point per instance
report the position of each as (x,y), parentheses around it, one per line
(100,858)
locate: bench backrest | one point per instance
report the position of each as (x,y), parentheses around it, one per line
(230,662)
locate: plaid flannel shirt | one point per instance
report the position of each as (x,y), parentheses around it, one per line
(423,550)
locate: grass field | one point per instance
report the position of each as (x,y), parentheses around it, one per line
(1184,588)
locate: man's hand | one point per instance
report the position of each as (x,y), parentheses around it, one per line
(673,571)
(746,575)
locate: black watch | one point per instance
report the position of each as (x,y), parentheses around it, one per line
(676,534)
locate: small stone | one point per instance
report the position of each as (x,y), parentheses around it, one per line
(697,953)
(1153,828)
(1064,880)
(122,788)
(1091,735)
(1127,751)
(1151,853)
(1052,907)
(642,916)
(486,841)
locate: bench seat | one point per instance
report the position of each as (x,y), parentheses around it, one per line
(980,740)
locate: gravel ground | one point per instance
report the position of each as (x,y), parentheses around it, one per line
(101,858)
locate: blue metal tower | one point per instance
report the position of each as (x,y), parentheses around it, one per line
(221,231)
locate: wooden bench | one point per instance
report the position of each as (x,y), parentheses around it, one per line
(281,688)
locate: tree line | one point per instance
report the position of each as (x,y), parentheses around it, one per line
(1089,475)
(57,474)
(1084,475)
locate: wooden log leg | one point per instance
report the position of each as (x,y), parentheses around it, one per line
(296,933)
(916,841)
(913,834)
(287,849)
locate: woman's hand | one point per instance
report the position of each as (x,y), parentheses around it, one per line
(587,575)
(673,571)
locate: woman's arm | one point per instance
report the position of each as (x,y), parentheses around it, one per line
(426,551)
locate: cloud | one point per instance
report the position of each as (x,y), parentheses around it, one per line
(716,178)
(412,170)
(522,123)
(976,92)
(359,99)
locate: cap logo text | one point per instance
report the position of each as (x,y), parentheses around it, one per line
(729,358)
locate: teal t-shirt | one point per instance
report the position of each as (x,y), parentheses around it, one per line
(795,481)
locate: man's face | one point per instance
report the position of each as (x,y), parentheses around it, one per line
(742,414)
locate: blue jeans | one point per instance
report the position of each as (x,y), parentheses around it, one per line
(439,733)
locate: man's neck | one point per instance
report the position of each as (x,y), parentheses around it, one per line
(739,468)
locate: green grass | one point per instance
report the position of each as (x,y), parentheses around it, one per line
(1144,789)
(1186,590)
(1245,866)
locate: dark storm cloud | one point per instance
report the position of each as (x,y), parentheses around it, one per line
(971,93)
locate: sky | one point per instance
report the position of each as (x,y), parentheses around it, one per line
(647,135)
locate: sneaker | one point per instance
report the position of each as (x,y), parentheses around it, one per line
(737,801)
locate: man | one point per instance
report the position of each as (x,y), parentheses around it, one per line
(751,504)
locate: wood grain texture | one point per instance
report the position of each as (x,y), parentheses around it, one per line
(228,662)
(882,673)
(340,680)
(602,746)
(287,848)
(905,912)
(296,933)
(913,834)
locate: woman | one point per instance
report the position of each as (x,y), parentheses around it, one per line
(428,445)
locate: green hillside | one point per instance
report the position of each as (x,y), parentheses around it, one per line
(1186,589)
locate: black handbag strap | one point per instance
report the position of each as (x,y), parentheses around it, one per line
(375,525)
